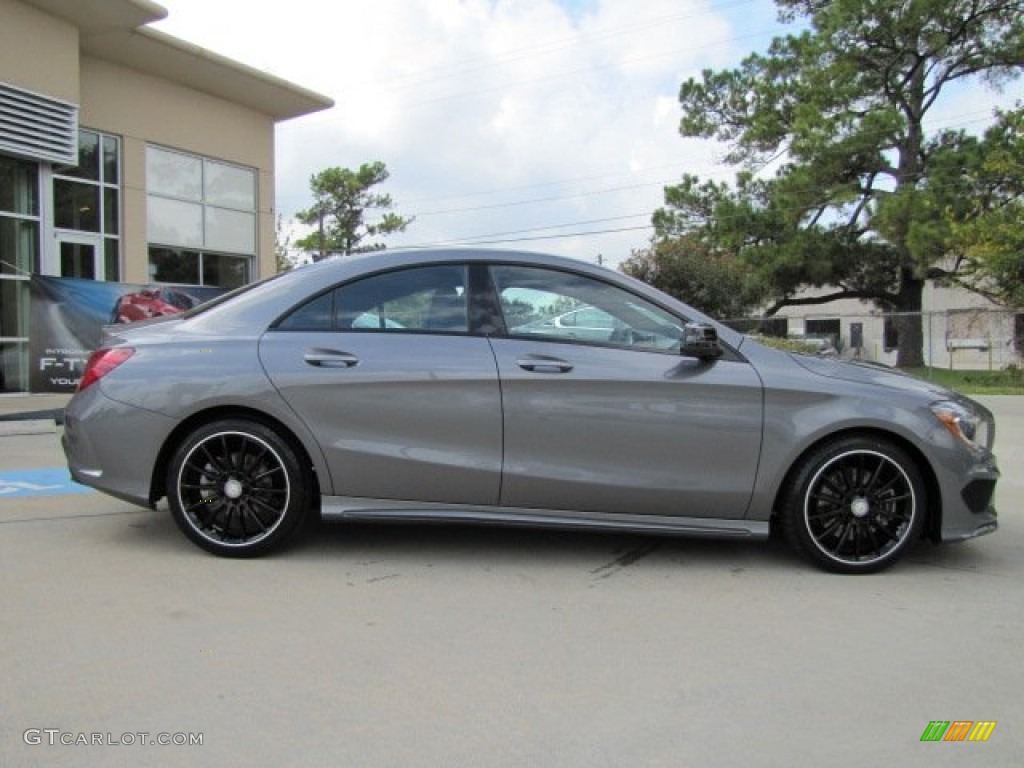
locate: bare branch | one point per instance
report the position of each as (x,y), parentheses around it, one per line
(788,301)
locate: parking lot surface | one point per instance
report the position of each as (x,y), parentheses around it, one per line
(448,646)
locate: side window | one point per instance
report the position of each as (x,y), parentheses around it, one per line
(563,306)
(315,315)
(418,299)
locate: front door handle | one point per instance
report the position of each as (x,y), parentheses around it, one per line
(330,358)
(544,364)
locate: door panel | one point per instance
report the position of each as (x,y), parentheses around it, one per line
(605,429)
(398,415)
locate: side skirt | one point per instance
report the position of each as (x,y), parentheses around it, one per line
(346,508)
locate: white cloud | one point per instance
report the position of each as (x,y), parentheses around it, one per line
(478,103)
(475,104)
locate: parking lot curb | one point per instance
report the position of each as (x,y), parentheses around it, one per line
(55,415)
(10,427)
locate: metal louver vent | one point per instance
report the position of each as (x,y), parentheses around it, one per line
(37,127)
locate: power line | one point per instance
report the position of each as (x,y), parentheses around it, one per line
(563,236)
(534,201)
(431,74)
(471,238)
(724,173)
(571,73)
(539,184)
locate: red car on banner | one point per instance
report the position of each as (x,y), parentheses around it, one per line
(151,302)
(67,315)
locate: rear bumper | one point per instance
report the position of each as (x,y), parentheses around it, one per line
(111,446)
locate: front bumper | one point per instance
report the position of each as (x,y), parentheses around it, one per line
(968,508)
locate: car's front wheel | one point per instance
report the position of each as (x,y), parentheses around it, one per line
(236,488)
(854,505)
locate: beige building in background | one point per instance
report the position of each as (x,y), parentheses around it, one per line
(128,155)
(961,330)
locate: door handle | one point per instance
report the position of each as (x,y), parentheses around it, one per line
(330,358)
(544,364)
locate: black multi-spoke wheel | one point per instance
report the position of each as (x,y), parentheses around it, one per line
(236,488)
(854,505)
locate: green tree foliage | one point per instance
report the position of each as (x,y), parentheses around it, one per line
(988,229)
(282,242)
(342,198)
(518,312)
(687,268)
(859,203)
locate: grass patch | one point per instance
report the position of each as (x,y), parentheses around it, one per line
(1006,382)
(1009,381)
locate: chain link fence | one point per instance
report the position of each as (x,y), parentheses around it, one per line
(955,339)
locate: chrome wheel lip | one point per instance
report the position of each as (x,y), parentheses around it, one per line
(860,509)
(235,487)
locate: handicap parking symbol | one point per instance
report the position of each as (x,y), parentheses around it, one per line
(55,481)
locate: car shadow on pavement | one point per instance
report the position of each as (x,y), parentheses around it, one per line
(601,554)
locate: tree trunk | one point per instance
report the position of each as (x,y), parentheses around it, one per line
(909,300)
(909,321)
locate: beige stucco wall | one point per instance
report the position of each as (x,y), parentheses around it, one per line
(38,52)
(146,110)
(961,329)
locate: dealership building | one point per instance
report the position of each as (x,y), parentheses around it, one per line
(128,155)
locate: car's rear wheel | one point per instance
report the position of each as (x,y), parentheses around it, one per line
(236,488)
(854,505)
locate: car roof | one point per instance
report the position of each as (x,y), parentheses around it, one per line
(273,297)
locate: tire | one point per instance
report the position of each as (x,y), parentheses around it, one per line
(854,505)
(237,488)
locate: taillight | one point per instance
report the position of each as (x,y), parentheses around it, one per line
(101,362)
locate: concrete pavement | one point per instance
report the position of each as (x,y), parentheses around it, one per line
(417,646)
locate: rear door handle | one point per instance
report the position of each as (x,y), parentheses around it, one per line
(544,364)
(330,358)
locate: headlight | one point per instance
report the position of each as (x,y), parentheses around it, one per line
(963,424)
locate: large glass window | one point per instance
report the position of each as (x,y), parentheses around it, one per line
(19,246)
(87,196)
(19,187)
(228,186)
(225,271)
(19,257)
(13,309)
(201,214)
(88,159)
(76,206)
(185,266)
(562,306)
(173,174)
(174,265)
(175,222)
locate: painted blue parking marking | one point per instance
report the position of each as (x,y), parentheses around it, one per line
(55,481)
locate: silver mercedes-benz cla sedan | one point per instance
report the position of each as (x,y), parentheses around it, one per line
(517,389)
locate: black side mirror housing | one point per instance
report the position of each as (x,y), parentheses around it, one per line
(700,340)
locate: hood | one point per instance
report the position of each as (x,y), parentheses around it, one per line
(870,373)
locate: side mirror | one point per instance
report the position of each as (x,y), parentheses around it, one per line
(701,341)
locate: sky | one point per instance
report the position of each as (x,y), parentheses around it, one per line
(545,125)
